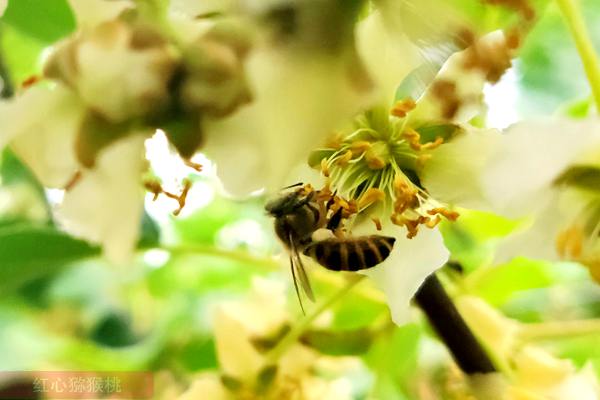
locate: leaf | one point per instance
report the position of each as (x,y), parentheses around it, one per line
(150,232)
(498,284)
(21,54)
(29,252)
(46,21)
(393,358)
(549,67)
(338,343)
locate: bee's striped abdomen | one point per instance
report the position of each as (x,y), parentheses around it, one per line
(351,254)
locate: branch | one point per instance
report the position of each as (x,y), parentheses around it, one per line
(451,328)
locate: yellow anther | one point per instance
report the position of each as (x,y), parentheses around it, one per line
(432,223)
(360,147)
(448,214)
(369,197)
(325,168)
(377,223)
(343,160)
(402,107)
(413,138)
(374,161)
(433,145)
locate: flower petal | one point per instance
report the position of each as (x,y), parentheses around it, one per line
(452,175)
(388,57)
(45,140)
(530,157)
(403,272)
(106,204)
(299,101)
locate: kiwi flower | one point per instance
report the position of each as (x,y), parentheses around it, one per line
(379,162)
(544,173)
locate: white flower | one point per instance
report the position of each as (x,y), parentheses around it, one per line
(207,386)
(105,204)
(132,87)
(405,269)
(521,174)
(298,101)
(45,138)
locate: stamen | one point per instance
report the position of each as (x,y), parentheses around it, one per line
(371,196)
(73,181)
(377,223)
(195,166)
(403,107)
(325,168)
(360,147)
(344,159)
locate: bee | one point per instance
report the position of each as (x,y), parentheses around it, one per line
(299,214)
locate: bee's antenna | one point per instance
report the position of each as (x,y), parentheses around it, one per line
(291,186)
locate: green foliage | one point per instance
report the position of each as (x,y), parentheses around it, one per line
(27,28)
(548,53)
(30,252)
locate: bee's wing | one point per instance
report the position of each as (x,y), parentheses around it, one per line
(303,277)
(299,271)
(293,269)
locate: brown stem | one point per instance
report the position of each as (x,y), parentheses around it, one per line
(451,328)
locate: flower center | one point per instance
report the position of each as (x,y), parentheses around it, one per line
(377,164)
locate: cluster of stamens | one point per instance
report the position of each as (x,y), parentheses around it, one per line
(413,207)
(370,168)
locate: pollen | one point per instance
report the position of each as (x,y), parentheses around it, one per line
(403,107)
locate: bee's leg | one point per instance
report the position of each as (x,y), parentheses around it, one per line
(335,220)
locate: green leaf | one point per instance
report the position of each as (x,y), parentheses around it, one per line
(393,358)
(549,67)
(498,284)
(46,21)
(338,343)
(30,252)
(150,232)
(21,54)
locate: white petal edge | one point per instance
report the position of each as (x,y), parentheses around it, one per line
(105,206)
(43,123)
(531,155)
(407,267)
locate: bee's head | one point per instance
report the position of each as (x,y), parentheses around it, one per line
(287,203)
